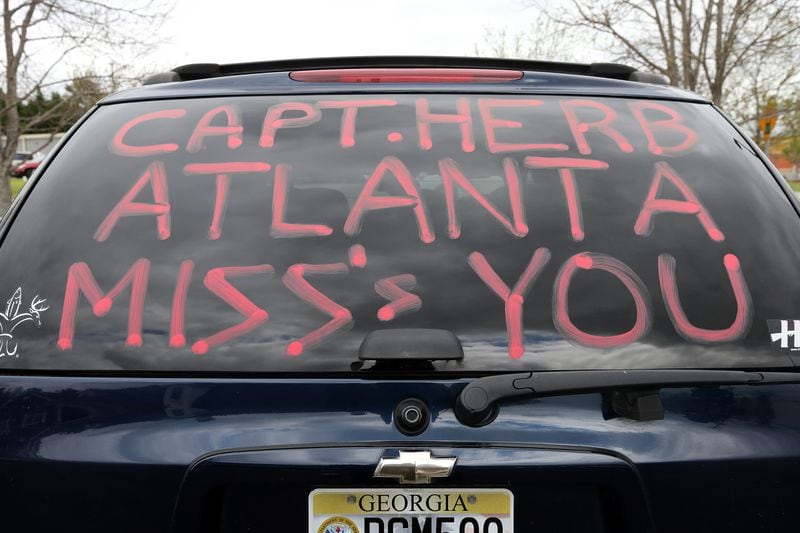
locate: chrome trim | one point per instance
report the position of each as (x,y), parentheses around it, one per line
(414,468)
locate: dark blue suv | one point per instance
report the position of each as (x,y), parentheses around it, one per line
(401,295)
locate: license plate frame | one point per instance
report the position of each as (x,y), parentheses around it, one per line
(370,510)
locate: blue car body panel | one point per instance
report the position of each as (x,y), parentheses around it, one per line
(152,453)
(125,450)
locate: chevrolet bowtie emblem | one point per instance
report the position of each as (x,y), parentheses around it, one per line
(415,467)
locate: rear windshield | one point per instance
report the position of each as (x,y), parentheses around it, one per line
(273,234)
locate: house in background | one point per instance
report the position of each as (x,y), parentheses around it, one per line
(37,142)
(790,170)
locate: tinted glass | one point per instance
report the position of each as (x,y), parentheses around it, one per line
(274,233)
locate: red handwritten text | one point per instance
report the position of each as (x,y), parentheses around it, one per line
(295,281)
(80,280)
(463,118)
(347,135)
(513,298)
(669,290)
(691,206)
(126,207)
(369,201)
(232,129)
(119,146)
(395,289)
(632,282)
(490,123)
(216,282)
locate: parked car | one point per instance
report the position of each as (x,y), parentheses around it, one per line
(390,295)
(25,170)
(19,157)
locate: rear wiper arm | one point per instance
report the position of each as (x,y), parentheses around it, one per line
(476,405)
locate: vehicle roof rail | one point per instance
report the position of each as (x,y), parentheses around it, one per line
(197,71)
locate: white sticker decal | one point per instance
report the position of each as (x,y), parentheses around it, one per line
(13,318)
(784,334)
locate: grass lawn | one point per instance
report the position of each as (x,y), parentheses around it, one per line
(16,185)
(794,185)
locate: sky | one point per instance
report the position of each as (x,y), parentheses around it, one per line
(230,31)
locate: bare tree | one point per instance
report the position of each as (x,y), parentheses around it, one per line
(544,40)
(44,38)
(707,46)
(790,130)
(748,91)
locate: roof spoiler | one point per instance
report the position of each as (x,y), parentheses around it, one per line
(198,71)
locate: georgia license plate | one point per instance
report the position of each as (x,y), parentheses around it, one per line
(410,511)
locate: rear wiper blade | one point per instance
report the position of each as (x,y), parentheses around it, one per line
(476,405)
